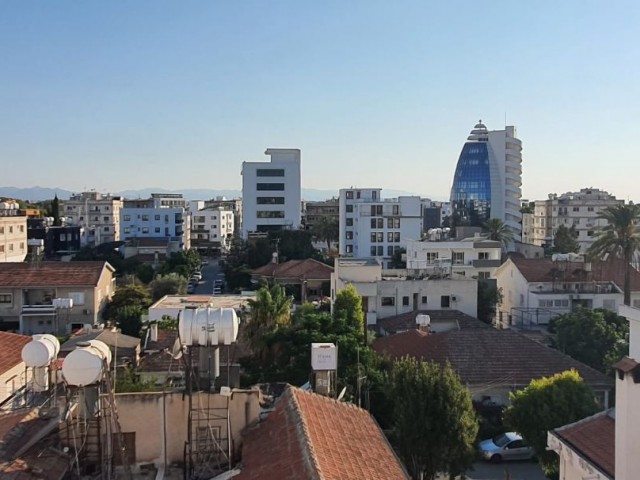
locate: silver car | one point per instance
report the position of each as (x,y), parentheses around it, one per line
(506,446)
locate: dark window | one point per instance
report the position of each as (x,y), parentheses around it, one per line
(268,228)
(349,208)
(157,217)
(349,235)
(373,250)
(445,301)
(349,248)
(270,172)
(405,301)
(373,223)
(388,301)
(349,194)
(349,222)
(389,251)
(373,237)
(380,250)
(269,214)
(423,299)
(275,187)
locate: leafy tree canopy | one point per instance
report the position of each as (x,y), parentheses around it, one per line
(348,307)
(169,284)
(545,404)
(129,295)
(434,422)
(489,297)
(565,240)
(499,231)
(598,337)
(326,229)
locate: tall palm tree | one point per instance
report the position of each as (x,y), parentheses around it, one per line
(326,229)
(271,307)
(499,231)
(620,237)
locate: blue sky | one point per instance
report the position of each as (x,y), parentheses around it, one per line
(122,94)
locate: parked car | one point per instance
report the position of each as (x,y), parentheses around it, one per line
(506,446)
(196,275)
(217,291)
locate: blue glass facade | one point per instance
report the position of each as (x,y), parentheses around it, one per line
(471,191)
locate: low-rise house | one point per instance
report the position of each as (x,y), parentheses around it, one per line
(310,275)
(492,363)
(28,291)
(387,293)
(312,436)
(12,369)
(536,290)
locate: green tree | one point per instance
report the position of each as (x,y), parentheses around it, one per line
(129,317)
(593,337)
(620,237)
(326,229)
(348,307)
(127,295)
(499,231)
(434,422)
(55,211)
(183,262)
(548,403)
(169,284)
(565,240)
(271,308)
(489,297)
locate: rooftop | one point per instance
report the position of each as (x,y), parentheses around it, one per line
(309,436)
(11,347)
(107,336)
(358,262)
(407,321)
(308,269)
(202,301)
(51,274)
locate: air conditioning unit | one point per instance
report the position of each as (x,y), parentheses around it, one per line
(454,298)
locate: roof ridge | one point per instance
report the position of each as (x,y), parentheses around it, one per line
(302,428)
(603,413)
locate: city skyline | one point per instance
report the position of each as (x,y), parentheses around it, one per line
(124,96)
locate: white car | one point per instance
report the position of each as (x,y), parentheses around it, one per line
(506,446)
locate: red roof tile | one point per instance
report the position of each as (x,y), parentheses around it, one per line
(594,438)
(484,356)
(51,274)
(309,436)
(407,321)
(11,350)
(308,269)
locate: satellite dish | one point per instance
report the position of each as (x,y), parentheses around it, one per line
(341,396)
(176,350)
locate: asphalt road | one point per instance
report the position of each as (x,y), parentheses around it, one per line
(209,274)
(522,470)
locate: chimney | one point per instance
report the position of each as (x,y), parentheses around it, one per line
(154,332)
(627,462)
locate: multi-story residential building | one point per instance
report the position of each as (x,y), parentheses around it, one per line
(324,209)
(212,229)
(233,204)
(13,233)
(474,257)
(371,226)
(28,292)
(385,296)
(488,178)
(271,195)
(57,241)
(435,214)
(578,209)
(161,216)
(97,214)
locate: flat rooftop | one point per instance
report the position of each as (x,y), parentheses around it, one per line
(203,301)
(357,262)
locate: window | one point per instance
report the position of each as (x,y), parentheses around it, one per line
(458,258)
(376,210)
(589,209)
(590,233)
(21,228)
(77,297)
(380,250)
(157,230)
(349,195)
(388,301)
(349,222)
(157,217)
(380,222)
(483,275)
(389,237)
(145,230)
(405,301)
(373,250)
(349,208)
(445,301)
(348,248)
(545,303)
(10,228)
(393,222)
(432,257)
(5,298)
(423,299)
(126,218)
(270,172)
(21,245)
(561,303)
(270,214)
(11,247)
(576,209)
(270,200)
(1,248)
(348,235)
(390,251)
(106,219)
(483,255)
(105,229)
(275,187)
(127,229)
(373,237)
(380,236)
(374,195)
(145,218)
(396,237)
(373,223)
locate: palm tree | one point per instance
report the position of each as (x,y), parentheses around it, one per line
(326,229)
(620,237)
(271,307)
(499,231)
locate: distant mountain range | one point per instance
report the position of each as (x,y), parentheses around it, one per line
(36,194)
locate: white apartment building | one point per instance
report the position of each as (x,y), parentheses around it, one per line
(271,196)
(211,229)
(578,209)
(160,216)
(13,233)
(474,257)
(385,296)
(97,214)
(371,226)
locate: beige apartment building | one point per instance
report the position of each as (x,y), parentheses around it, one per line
(97,214)
(13,237)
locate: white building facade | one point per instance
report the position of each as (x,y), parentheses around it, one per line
(271,193)
(212,229)
(97,214)
(371,226)
(13,233)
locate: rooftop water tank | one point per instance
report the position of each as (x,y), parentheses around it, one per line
(208,326)
(83,366)
(40,351)
(423,320)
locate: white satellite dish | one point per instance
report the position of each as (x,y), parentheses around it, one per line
(341,396)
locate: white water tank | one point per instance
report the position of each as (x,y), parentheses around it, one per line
(208,326)
(40,351)
(423,320)
(84,365)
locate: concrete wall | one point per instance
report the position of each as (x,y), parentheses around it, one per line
(11,380)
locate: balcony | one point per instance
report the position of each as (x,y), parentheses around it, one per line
(577,288)
(485,263)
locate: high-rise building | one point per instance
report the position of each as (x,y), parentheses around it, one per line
(488,179)
(271,196)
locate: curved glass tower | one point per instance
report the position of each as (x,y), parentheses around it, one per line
(487,180)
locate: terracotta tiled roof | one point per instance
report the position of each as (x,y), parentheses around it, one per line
(51,274)
(407,321)
(593,438)
(543,269)
(485,356)
(309,436)
(11,350)
(308,269)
